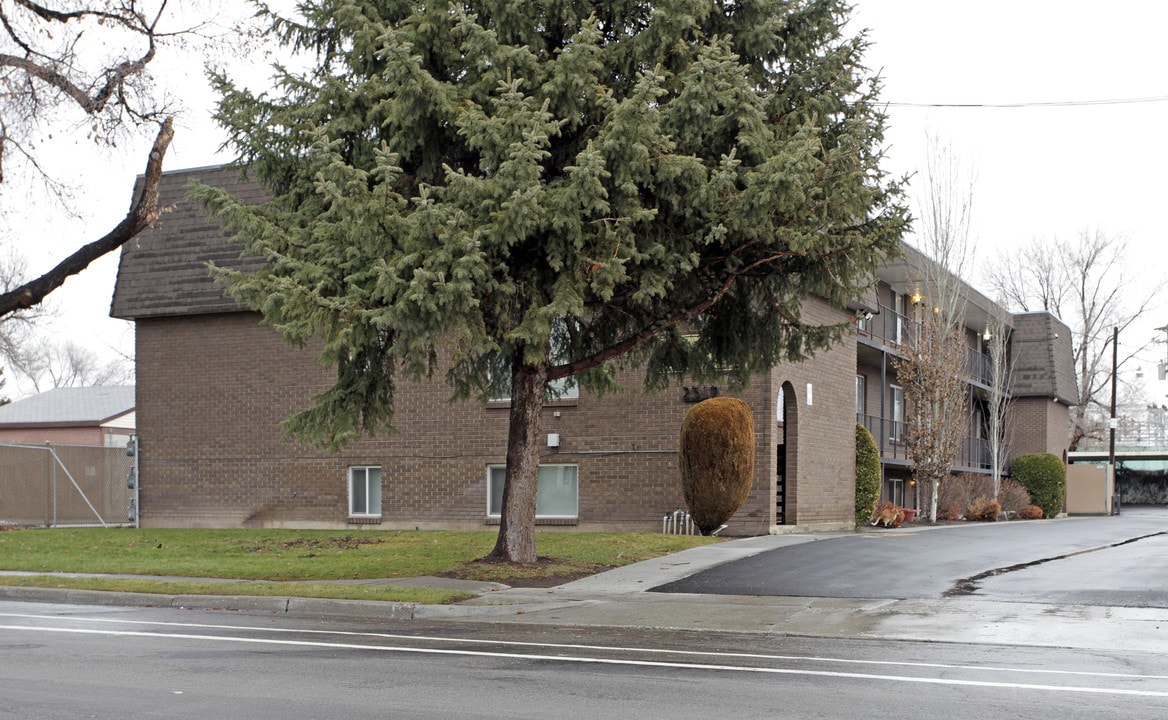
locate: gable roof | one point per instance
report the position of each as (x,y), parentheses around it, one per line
(1043,362)
(163,270)
(78,407)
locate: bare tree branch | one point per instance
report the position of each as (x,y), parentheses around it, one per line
(144,211)
(1087,284)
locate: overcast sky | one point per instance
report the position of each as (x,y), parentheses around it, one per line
(1053,163)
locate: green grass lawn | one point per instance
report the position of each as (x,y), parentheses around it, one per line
(288,560)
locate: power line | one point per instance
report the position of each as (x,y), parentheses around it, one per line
(1056,103)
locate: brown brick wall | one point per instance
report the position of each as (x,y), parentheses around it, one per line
(89,436)
(821,453)
(1037,425)
(212,388)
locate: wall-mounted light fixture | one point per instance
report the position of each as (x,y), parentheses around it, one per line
(916,298)
(987,334)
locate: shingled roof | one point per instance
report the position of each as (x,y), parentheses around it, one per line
(1043,363)
(75,407)
(163,271)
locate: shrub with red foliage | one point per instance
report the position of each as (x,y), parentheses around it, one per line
(948,510)
(1012,496)
(984,510)
(1030,512)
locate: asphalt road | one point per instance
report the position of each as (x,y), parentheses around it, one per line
(1103,561)
(59,661)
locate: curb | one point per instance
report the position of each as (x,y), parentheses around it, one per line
(251,603)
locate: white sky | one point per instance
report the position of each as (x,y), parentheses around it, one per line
(1040,171)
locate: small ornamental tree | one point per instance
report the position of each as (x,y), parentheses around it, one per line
(515,193)
(1045,477)
(867,474)
(716,458)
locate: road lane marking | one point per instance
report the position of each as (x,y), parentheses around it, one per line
(606,648)
(596,661)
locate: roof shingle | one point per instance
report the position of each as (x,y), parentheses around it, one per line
(88,406)
(163,271)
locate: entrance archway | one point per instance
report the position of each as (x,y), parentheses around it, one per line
(786,482)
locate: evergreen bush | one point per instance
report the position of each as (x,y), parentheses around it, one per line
(867,474)
(1045,477)
(717,460)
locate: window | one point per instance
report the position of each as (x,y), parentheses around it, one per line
(561,389)
(896,491)
(896,399)
(900,310)
(861,396)
(556,497)
(364,491)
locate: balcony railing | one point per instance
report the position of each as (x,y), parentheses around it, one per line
(888,327)
(897,330)
(978,366)
(891,435)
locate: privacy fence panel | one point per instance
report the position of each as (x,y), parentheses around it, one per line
(66,485)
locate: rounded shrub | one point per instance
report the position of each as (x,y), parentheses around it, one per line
(1031,512)
(867,474)
(984,510)
(717,460)
(948,510)
(1045,477)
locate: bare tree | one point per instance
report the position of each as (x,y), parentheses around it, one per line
(998,401)
(46,365)
(1088,285)
(84,65)
(931,375)
(16,328)
(936,400)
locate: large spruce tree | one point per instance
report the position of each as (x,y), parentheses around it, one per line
(515,193)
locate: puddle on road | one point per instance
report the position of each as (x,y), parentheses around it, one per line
(969,585)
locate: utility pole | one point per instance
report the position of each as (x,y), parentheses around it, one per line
(1114,372)
(1111,452)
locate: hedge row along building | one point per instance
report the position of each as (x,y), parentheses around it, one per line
(213,384)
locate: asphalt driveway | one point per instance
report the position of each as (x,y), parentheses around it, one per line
(1110,561)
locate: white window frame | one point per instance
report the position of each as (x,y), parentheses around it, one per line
(861,395)
(498,474)
(896,412)
(900,313)
(371,495)
(560,389)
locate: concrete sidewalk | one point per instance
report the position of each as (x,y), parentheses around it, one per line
(618,598)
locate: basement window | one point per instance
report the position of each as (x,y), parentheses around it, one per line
(556,498)
(365,491)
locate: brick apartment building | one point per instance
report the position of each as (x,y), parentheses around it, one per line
(213,383)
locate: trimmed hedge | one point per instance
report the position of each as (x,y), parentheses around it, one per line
(867,475)
(1045,477)
(717,460)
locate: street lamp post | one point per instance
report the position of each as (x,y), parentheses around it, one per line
(1162,366)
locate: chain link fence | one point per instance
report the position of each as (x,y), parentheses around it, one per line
(67,486)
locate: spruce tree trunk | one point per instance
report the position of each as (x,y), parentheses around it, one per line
(516,541)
